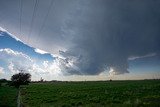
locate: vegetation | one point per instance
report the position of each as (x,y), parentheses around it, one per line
(8,96)
(20,79)
(3,80)
(92,94)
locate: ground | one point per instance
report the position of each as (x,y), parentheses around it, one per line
(144,93)
(90,94)
(8,96)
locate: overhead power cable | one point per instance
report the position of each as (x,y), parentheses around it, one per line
(45,19)
(20,21)
(32,20)
(20,17)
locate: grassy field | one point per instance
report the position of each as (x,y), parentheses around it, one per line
(8,96)
(92,94)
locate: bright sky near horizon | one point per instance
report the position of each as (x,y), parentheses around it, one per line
(80,39)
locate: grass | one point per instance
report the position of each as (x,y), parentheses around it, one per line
(92,94)
(8,96)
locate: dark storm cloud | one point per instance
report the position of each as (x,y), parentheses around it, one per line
(109,32)
(95,35)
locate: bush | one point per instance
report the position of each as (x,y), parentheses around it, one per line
(20,79)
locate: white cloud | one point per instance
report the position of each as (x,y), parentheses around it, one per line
(40,51)
(45,64)
(138,57)
(1,70)
(10,52)
(116,70)
(13,68)
(3,30)
(17,61)
(53,67)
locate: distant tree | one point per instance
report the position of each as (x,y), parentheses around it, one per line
(3,80)
(41,80)
(20,79)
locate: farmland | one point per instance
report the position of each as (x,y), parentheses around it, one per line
(104,93)
(8,96)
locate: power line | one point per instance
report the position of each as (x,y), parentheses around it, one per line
(44,21)
(20,17)
(33,15)
(20,21)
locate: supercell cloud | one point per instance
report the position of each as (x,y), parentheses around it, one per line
(90,36)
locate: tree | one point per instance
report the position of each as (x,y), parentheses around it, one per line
(20,79)
(3,80)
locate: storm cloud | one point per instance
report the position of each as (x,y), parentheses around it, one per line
(92,36)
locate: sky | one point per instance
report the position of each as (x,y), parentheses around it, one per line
(80,39)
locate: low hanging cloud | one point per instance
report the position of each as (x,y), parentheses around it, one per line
(91,36)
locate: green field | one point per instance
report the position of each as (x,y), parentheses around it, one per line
(8,96)
(92,94)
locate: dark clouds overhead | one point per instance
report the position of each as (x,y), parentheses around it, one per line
(94,35)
